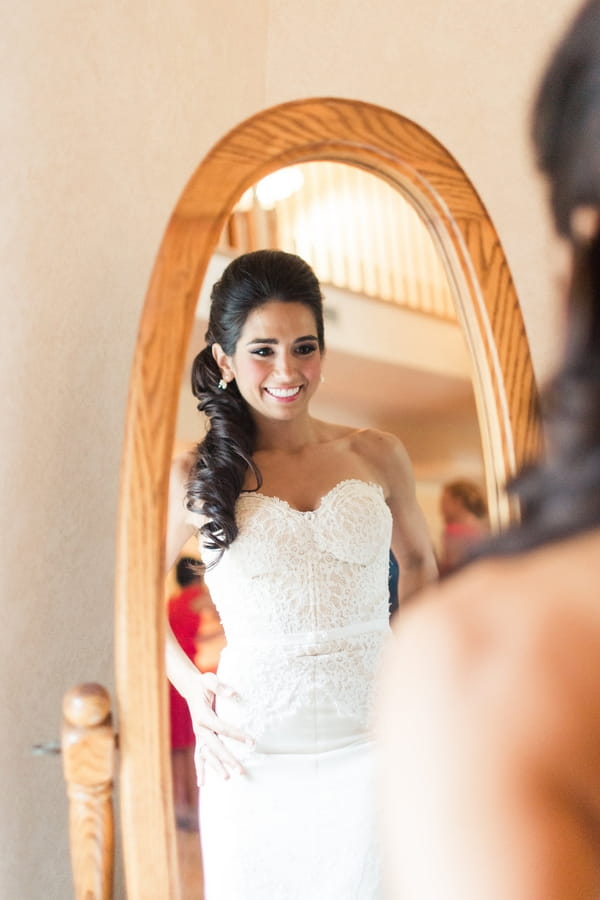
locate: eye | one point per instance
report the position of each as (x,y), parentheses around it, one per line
(262,351)
(306,349)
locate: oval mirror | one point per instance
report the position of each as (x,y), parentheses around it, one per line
(414,163)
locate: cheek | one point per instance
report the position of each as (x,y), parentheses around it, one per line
(250,371)
(312,368)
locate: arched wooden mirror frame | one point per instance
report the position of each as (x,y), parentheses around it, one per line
(411,160)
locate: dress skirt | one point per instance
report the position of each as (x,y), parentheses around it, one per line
(296,826)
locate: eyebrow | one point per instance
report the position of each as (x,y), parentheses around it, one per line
(306,337)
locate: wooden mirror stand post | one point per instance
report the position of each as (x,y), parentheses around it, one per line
(412,161)
(88,751)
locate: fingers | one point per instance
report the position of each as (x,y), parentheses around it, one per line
(217,687)
(209,728)
(210,680)
(212,722)
(211,751)
(204,715)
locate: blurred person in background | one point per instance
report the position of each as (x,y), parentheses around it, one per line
(464,511)
(184,612)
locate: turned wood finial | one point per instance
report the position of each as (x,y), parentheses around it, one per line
(86,705)
(88,748)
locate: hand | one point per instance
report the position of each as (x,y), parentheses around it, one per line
(210,749)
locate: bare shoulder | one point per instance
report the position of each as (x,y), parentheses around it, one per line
(333,431)
(436,635)
(520,606)
(488,728)
(368,442)
(385,452)
(514,645)
(377,443)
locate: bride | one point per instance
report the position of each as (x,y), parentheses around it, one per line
(295,519)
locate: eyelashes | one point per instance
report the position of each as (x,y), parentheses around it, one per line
(306,349)
(300,350)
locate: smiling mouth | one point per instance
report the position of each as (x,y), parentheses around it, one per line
(283,393)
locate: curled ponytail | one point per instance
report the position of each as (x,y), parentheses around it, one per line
(224,457)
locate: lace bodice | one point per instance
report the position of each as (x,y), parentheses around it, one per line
(303,598)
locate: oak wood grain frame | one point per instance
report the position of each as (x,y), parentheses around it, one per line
(410,159)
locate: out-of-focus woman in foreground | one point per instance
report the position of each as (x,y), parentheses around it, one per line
(489,714)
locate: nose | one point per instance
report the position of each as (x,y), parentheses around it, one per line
(285,368)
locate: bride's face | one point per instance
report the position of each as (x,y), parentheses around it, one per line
(277,361)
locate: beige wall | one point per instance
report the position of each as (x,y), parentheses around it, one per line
(106,109)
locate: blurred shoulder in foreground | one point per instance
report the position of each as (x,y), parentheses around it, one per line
(489,727)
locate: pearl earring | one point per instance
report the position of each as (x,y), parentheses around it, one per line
(222,385)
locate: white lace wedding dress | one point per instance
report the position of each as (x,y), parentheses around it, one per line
(303,598)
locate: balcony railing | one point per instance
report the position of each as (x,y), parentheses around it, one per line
(356,231)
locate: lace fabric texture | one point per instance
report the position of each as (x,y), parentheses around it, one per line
(303,601)
(303,598)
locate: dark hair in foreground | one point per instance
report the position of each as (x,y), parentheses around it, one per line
(561,496)
(225,455)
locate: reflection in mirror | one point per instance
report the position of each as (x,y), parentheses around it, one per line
(196,625)
(396,357)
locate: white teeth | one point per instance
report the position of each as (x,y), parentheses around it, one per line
(283,392)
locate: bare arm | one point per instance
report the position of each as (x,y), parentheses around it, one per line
(199,689)
(181,671)
(411,542)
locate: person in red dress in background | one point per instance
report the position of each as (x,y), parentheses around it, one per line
(184,613)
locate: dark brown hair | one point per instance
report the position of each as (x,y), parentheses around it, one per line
(560,497)
(225,455)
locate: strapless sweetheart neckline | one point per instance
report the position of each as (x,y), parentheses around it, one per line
(303,598)
(327,496)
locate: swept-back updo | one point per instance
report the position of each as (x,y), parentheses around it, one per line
(561,496)
(225,455)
